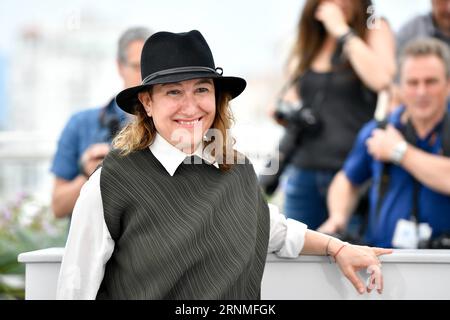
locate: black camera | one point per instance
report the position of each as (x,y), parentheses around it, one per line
(299,121)
(298,117)
(440,242)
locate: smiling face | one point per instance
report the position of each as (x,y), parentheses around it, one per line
(182,111)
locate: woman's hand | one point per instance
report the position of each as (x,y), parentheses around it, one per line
(333,18)
(353,258)
(93,156)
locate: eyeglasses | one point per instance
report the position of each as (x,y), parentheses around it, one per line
(136,66)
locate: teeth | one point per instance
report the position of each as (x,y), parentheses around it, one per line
(188,122)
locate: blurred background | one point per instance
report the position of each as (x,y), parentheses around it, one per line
(60,57)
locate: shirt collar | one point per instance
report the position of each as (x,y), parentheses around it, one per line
(396,118)
(171,157)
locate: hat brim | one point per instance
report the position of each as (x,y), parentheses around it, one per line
(128,100)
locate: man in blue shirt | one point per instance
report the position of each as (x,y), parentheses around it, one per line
(416,203)
(86,138)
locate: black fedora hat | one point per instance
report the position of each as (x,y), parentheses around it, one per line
(172,57)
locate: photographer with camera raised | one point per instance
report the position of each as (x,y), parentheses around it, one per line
(341,59)
(408,162)
(86,138)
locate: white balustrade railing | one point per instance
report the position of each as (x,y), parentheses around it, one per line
(408,274)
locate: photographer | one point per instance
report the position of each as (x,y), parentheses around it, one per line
(86,138)
(339,65)
(408,162)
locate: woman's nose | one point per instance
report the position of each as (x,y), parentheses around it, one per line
(190,104)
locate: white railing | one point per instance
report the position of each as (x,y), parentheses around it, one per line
(408,274)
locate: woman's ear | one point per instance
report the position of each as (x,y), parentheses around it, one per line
(145,99)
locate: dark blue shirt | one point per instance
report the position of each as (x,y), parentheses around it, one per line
(433,207)
(82,130)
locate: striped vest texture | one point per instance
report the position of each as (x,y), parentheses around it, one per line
(200,234)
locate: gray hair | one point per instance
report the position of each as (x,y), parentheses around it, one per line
(130,35)
(427,46)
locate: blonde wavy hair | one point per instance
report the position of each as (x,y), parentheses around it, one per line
(140,133)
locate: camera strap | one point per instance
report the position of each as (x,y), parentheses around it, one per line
(110,119)
(291,139)
(318,97)
(411,137)
(287,86)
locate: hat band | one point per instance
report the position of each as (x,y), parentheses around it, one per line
(157,74)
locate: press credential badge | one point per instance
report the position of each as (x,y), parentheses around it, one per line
(407,234)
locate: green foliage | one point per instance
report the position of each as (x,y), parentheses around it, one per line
(25,225)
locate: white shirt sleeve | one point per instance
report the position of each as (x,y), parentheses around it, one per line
(89,246)
(287,236)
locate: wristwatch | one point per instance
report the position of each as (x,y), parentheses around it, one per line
(399,152)
(341,40)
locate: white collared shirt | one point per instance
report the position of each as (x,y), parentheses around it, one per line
(89,244)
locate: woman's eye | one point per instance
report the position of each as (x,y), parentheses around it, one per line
(203,89)
(173,92)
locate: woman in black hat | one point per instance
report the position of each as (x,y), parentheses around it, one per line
(170,216)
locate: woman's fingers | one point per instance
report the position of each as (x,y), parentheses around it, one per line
(364,258)
(380,290)
(355,280)
(380,251)
(376,278)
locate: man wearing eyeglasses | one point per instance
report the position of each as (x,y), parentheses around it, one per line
(86,138)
